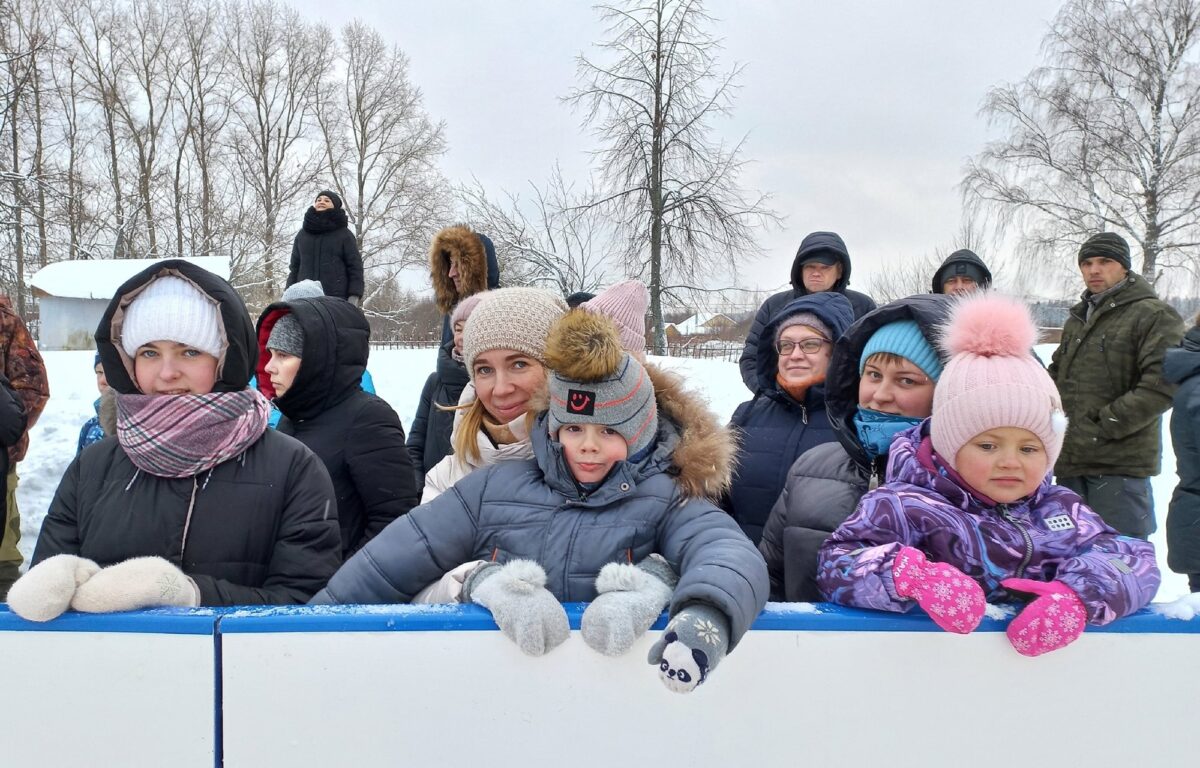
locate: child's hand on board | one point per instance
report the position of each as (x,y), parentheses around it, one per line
(952,599)
(1053,620)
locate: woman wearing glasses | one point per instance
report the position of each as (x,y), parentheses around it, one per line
(786,416)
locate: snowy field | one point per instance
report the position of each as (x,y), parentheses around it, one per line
(399,376)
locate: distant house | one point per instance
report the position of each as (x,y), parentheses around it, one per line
(702,326)
(72,296)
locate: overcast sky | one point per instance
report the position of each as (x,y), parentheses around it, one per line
(860,115)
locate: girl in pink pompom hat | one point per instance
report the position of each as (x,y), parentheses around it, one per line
(968,513)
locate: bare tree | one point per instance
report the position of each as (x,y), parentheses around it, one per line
(553,238)
(672,190)
(1104,136)
(381,150)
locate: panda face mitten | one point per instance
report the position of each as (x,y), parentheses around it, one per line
(691,647)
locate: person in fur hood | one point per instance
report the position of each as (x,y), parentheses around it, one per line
(190,500)
(325,250)
(605,489)
(462,263)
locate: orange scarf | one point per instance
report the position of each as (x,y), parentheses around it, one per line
(798,389)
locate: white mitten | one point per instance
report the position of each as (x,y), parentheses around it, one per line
(140,582)
(630,599)
(526,612)
(45,591)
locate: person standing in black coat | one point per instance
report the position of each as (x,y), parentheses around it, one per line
(190,500)
(325,250)
(822,264)
(1182,366)
(313,352)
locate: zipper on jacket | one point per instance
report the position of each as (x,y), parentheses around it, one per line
(804,415)
(1003,508)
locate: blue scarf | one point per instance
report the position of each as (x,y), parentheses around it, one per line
(876,430)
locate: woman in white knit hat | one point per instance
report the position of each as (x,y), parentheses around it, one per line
(191,500)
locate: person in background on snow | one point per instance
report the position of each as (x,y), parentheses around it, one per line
(880,381)
(822,264)
(194,501)
(787,415)
(962,272)
(312,354)
(1109,368)
(429,440)
(968,512)
(1181,366)
(603,491)
(21,364)
(325,250)
(92,432)
(462,263)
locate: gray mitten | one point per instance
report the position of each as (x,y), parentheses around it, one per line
(45,591)
(630,599)
(139,582)
(692,645)
(523,608)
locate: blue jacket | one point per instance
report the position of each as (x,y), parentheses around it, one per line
(534,510)
(91,432)
(775,428)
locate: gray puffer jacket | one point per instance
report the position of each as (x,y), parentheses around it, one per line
(534,510)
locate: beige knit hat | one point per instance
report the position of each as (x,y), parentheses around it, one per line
(511,318)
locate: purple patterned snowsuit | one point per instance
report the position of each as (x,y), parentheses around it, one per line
(1050,535)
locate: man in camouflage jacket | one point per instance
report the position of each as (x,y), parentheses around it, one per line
(26,372)
(1109,370)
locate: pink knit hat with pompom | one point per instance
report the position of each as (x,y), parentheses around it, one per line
(624,303)
(993,379)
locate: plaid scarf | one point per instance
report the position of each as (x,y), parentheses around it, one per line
(183,435)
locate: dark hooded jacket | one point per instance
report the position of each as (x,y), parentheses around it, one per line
(958,263)
(824,485)
(534,510)
(356,434)
(1182,367)
(816,242)
(325,250)
(1109,369)
(263,526)
(775,429)
(429,438)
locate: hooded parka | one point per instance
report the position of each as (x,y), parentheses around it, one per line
(533,509)
(356,434)
(816,242)
(960,262)
(260,528)
(824,485)
(1182,367)
(325,250)
(774,428)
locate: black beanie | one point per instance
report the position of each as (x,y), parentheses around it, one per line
(1108,245)
(334,196)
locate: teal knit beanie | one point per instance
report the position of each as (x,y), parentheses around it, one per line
(903,338)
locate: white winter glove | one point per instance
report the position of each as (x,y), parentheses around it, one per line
(523,608)
(140,582)
(45,591)
(630,599)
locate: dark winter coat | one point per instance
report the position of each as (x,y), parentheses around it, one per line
(953,266)
(12,426)
(355,434)
(533,509)
(1109,371)
(263,527)
(1050,535)
(774,428)
(429,438)
(817,241)
(823,486)
(328,253)
(1182,366)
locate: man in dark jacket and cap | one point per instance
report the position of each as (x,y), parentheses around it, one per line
(822,264)
(962,272)
(1109,369)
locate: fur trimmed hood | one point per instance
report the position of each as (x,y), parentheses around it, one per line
(477,264)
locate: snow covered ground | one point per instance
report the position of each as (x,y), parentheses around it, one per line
(399,376)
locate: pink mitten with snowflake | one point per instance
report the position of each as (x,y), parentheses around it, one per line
(1052,621)
(951,598)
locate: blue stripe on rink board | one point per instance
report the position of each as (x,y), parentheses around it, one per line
(160,621)
(788,617)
